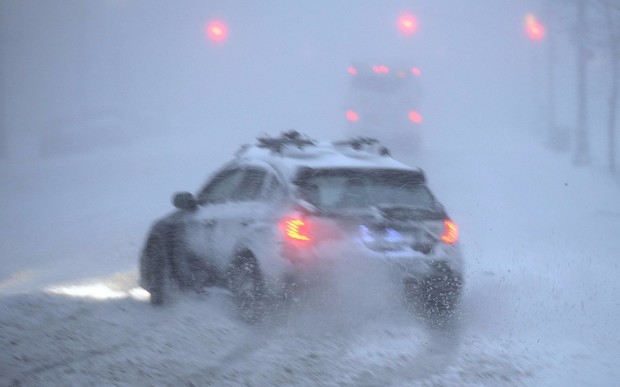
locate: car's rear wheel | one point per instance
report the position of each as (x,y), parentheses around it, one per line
(247,286)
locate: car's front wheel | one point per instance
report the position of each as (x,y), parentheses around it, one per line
(153,269)
(247,286)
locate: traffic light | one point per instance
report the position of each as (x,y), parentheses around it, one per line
(407,24)
(352,116)
(534,29)
(216,31)
(415,117)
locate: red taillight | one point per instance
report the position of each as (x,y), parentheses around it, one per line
(295,229)
(450,233)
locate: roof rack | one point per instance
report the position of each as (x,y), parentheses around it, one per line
(288,138)
(365,144)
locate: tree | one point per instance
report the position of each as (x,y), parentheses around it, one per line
(582,146)
(599,29)
(578,29)
(593,28)
(555,139)
(611,12)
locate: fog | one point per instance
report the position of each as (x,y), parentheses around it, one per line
(108,107)
(74,66)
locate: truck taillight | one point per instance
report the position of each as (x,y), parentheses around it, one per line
(451,232)
(295,228)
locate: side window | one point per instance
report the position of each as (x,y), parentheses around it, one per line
(274,191)
(251,184)
(221,188)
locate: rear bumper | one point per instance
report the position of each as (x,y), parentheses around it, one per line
(304,264)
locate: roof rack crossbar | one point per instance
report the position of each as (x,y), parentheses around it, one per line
(291,137)
(362,142)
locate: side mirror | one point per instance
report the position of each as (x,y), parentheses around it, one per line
(184,201)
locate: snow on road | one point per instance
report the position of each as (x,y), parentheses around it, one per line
(540,308)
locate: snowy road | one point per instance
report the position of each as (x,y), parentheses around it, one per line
(540,308)
(198,342)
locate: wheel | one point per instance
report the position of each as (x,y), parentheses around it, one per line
(246,284)
(168,265)
(436,298)
(153,269)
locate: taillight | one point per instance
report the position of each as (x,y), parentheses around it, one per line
(450,233)
(295,229)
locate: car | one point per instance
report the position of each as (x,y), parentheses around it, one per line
(384,100)
(261,225)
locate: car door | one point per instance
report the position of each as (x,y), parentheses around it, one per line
(213,201)
(243,211)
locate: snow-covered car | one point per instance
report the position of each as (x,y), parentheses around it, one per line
(267,219)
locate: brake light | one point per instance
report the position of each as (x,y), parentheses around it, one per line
(295,229)
(381,69)
(450,233)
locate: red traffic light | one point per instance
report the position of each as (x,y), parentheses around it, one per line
(216,31)
(533,28)
(352,116)
(415,117)
(407,24)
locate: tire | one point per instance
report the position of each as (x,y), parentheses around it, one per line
(437,297)
(154,269)
(167,265)
(247,286)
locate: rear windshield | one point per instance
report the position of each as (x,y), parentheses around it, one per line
(334,189)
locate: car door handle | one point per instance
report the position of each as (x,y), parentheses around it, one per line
(247,222)
(208,222)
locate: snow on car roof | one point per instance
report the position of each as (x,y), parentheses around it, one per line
(288,157)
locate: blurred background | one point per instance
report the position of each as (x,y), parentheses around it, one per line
(77,75)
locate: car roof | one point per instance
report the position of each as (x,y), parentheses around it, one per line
(292,151)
